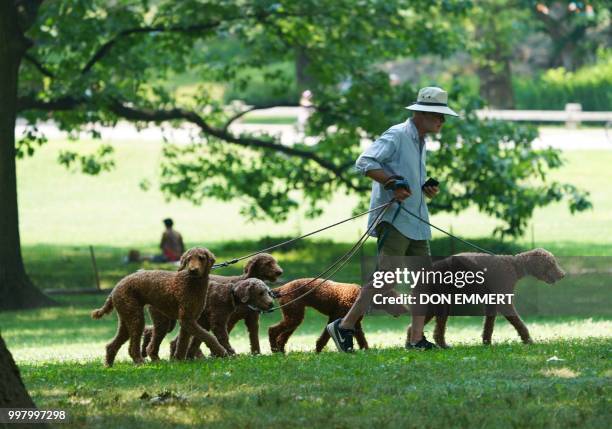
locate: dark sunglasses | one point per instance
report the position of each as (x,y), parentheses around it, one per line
(436,115)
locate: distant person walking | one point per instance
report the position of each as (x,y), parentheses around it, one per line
(396,164)
(171,245)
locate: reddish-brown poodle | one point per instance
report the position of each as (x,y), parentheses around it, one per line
(177,295)
(330,298)
(502,273)
(262,266)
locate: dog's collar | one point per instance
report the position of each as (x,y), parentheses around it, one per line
(236,301)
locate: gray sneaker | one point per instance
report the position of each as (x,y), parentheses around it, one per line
(342,337)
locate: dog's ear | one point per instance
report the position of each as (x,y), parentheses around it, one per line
(211,258)
(184,259)
(242,290)
(250,267)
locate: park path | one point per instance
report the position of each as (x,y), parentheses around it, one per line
(556,137)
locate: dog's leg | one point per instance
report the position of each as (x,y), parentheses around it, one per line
(147,334)
(273,332)
(360,336)
(135,328)
(234,318)
(173,345)
(219,328)
(182,343)
(428,319)
(113,347)
(161,326)
(158,334)
(489,323)
(324,337)
(252,323)
(194,351)
(190,327)
(440,331)
(516,321)
(294,315)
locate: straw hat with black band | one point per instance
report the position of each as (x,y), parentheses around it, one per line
(432,99)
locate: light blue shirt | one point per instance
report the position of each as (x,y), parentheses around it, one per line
(399,151)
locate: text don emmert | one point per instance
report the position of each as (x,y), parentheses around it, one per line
(442,298)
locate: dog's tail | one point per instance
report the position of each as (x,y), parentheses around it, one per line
(106,308)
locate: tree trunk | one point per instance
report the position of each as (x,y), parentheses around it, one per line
(496,86)
(493,68)
(16,289)
(13,393)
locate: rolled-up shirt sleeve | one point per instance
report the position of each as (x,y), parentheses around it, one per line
(379,153)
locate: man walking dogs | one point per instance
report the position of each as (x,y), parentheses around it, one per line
(396,164)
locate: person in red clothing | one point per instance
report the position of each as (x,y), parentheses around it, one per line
(171,245)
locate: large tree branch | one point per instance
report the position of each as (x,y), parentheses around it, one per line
(59,104)
(190,29)
(106,47)
(41,68)
(124,110)
(156,116)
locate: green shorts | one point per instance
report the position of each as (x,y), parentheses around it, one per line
(391,242)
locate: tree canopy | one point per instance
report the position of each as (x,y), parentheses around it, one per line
(93,63)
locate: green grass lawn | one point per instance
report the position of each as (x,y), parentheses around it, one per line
(60,352)
(271,120)
(58,207)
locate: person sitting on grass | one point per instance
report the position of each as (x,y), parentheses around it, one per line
(171,244)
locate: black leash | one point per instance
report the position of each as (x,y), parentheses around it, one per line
(447,233)
(339,263)
(233,261)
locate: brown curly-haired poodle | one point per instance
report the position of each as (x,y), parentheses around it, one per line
(225,299)
(502,274)
(178,295)
(330,298)
(262,266)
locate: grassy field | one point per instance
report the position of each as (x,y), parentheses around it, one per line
(63,208)
(60,352)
